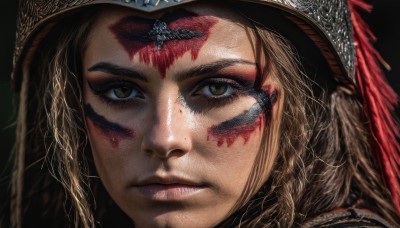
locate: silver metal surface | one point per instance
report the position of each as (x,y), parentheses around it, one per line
(330,19)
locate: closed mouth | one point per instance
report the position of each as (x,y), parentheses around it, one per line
(168,192)
(167,188)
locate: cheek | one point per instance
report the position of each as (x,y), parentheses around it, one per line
(231,155)
(238,159)
(112,145)
(233,168)
(246,123)
(237,142)
(107,149)
(230,131)
(112,156)
(101,127)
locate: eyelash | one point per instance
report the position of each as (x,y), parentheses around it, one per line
(237,86)
(108,86)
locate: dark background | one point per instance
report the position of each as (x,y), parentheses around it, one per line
(384,21)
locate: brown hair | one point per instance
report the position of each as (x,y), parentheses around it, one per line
(51,174)
(323,145)
(325,160)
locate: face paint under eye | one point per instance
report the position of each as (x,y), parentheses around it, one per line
(114,132)
(160,42)
(246,123)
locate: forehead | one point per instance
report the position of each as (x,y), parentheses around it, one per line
(131,37)
(228,28)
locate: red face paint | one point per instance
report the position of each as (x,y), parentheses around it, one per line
(246,123)
(114,132)
(161,42)
(230,134)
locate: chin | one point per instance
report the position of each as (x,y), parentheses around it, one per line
(169,220)
(176,219)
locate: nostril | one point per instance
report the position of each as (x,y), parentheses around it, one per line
(163,155)
(176,153)
(168,133)
(162,145)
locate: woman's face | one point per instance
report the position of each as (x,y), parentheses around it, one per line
(173,114)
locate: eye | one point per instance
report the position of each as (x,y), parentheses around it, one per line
(112,91)
(122,93)
(217,89)
(215,92)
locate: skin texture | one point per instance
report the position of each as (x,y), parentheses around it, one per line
(139,36)
(166,169)
(110,130)
(247,122)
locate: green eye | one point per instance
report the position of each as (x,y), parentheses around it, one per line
(218,89)
(122,92)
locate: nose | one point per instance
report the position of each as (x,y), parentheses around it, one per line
(167,134)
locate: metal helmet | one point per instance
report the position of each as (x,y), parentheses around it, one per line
(329,20)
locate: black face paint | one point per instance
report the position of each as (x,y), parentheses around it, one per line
(161,41)
(160,33)
(246,123)
(113,131)
(247,118)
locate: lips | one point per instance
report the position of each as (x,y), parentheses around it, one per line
(167,188)
(168,192)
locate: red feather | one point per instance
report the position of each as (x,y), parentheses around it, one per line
(379,100)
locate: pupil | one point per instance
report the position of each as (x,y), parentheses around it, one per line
(122,92)
(218,89)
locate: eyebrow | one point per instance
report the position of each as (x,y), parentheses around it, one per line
(211,67)
(117,70)
(193,72)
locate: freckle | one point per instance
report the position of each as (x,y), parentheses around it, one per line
(180,110)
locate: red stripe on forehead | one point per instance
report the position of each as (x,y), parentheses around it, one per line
(132,33)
